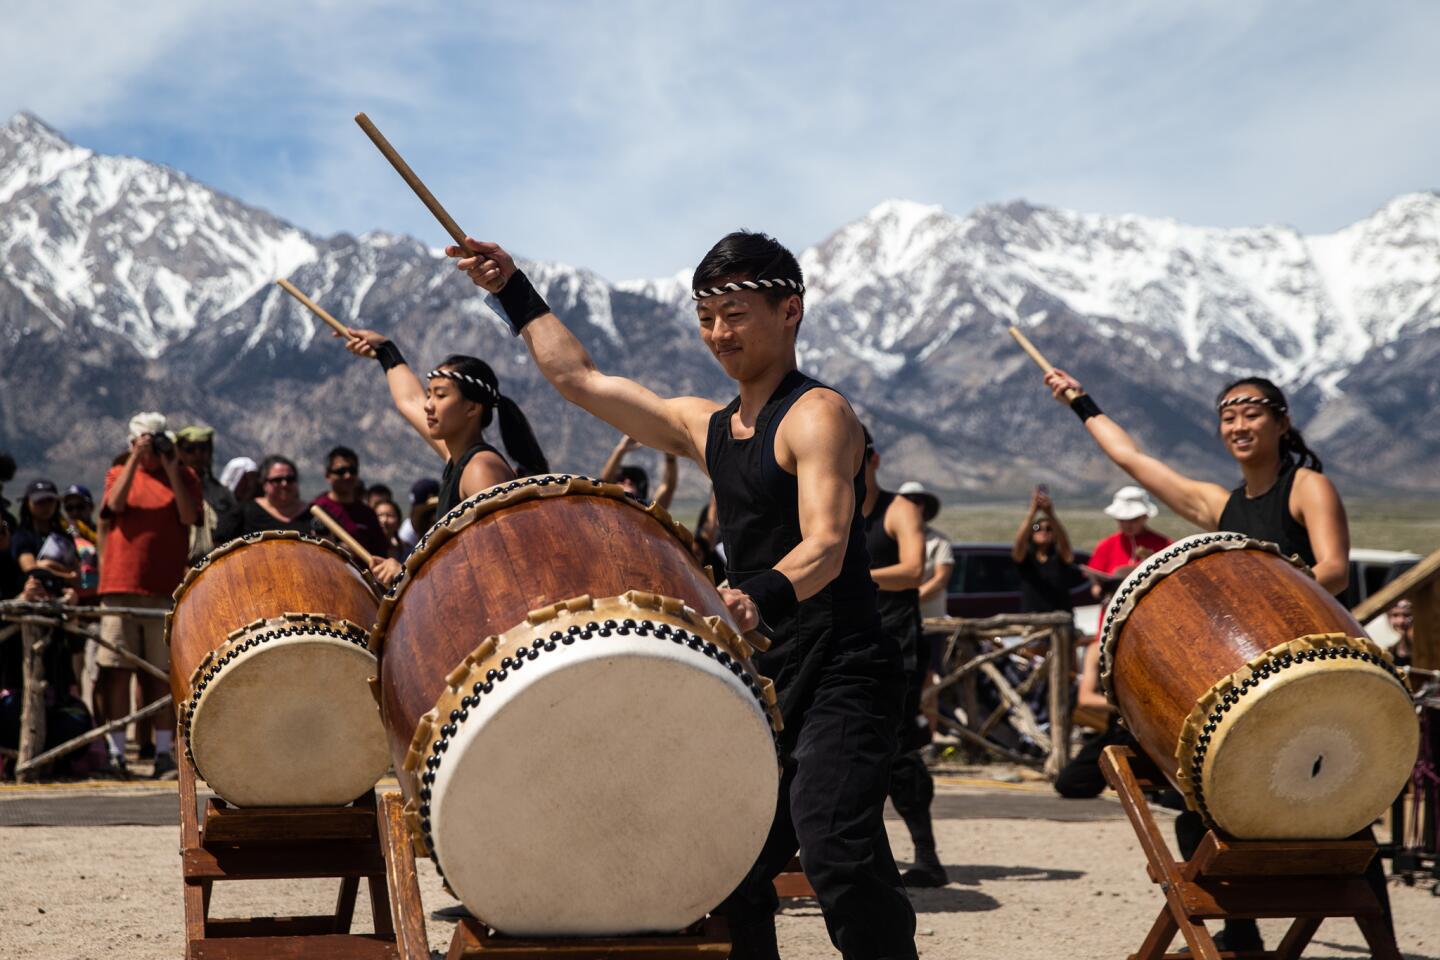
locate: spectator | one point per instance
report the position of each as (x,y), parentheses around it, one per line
(343,502)
(11,578)
(196,446)
(78,508)
(707,545)
(424,498)
(1042,552)
(377,494)
(7,473)
(1118,554)
(634,479)
(279,506)
(939,556)
(41,533)
(150,504)
(242,478)
(1402,621)
(388,513)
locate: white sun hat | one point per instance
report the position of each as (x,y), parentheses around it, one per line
(1131,503)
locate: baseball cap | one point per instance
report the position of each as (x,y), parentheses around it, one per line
(42,490)
(196,433)
(79,490)
(422,490)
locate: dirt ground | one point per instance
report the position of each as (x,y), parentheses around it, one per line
(1031,876)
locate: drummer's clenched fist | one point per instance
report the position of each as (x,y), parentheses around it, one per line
(1060,383)
(486,263)
(742,609)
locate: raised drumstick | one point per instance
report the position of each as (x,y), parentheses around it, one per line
(315,308)
(340,534)
(403,168)
(1038,357)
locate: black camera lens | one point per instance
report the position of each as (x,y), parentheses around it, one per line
(163,445)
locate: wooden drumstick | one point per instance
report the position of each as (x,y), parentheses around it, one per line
(315,308)
(1038,357)
(340,534)
(408,175)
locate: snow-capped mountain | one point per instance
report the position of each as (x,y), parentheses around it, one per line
(125,285)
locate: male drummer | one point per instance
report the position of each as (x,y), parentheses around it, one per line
(786,459)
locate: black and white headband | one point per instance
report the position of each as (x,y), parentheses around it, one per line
(1279,408)
(701,294)
(489,393)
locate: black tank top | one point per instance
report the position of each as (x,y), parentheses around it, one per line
(449,496)
(899,609)
(757,504)
(1268,517)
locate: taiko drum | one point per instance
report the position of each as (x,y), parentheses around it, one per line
(270,668)
(582,742)
(1256,692)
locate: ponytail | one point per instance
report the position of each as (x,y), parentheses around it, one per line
(519,439)
(478,383)
(1293,451)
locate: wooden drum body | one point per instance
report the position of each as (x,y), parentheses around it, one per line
(584,747)
(1284,719)
(270,667)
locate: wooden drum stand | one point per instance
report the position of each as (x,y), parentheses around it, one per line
(365,839)
(1307,881)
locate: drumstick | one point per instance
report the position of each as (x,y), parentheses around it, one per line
(408,175)
(340,534)
(1038,357)
(315,308)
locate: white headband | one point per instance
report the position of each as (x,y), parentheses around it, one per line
(489,392)
(1279,408)
(748,285)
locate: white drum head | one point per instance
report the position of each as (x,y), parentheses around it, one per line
(1316,752)
(616,786)
(291,722)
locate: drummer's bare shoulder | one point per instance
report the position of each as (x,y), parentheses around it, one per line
(822,424)
(485,470)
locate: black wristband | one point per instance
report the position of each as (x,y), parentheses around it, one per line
(389,356)
(774,596)
(1085,407)
(520,301)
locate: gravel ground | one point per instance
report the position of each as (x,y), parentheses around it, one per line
(1031,877)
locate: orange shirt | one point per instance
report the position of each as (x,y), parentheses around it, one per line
(146,545)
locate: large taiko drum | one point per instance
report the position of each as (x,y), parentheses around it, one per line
(270,667)
(1283,719)
(583,744)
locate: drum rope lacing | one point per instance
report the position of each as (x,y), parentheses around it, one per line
(556,639)
(352,635)
(1261,673)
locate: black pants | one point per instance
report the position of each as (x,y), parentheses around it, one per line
(1081,778)
(1190,830)
(912,788)
(831,808)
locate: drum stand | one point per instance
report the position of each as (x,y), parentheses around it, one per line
(1307,880)
(365,839)
(707,940)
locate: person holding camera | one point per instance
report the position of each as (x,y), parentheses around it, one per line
(1043,555)
(151,501)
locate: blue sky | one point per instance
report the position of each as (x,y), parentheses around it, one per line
(626,137)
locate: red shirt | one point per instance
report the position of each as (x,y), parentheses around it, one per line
(358,520)
(147,546)
(1118,550)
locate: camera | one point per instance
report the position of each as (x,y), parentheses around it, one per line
(52,584)
(162,445)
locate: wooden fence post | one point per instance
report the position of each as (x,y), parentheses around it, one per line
(33,639)
(1062,658)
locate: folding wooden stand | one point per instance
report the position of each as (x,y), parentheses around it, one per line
(364,839)
(1245,879)
(707,940)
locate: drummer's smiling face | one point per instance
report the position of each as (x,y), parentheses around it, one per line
(1250,430)
(745,332)
(448,414)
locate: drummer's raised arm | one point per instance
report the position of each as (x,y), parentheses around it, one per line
(676,425)
(1195,500)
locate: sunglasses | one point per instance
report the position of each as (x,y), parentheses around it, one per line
(344,472)
(286,478)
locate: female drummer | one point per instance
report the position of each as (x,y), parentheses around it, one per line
(1283,497)
(462,398)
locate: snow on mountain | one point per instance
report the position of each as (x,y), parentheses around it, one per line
(159,291)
